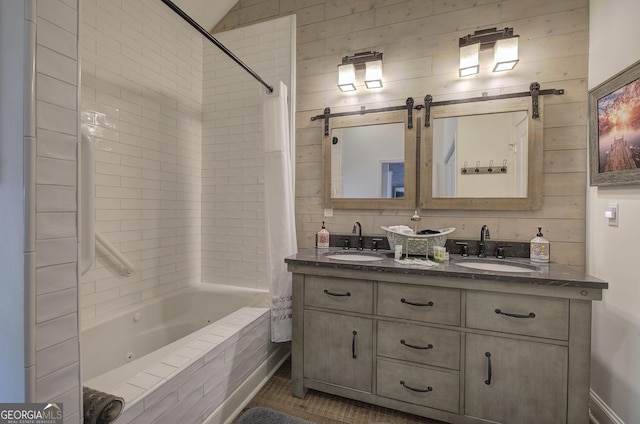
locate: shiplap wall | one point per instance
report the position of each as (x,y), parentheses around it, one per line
(419,39)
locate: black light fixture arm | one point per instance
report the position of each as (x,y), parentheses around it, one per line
(486,37)
(210,37)
(360,59)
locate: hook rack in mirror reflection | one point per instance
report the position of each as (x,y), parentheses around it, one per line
(478,170)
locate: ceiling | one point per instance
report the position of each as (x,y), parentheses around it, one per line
(207,13)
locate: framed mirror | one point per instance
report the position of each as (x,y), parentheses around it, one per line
(369,162)
(484,155)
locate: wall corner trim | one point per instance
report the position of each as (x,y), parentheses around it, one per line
(600,412)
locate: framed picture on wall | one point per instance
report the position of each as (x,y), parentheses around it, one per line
(614,129)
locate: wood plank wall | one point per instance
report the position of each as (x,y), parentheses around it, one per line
(419,39)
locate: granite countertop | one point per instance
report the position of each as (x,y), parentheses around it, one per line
(547,274)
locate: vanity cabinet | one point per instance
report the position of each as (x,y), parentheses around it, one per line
(338,346)
(516,379)
(459,350)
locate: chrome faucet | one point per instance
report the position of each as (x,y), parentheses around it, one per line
(484,235)
(360,243)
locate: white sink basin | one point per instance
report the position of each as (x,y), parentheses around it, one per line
(354,256)
(490,265)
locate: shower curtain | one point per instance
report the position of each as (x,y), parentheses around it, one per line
(279,209)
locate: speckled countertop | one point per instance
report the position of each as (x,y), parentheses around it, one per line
(546,274)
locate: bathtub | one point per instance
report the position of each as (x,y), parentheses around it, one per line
(194,355)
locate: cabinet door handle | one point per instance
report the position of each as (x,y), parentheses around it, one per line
(354,355)
(413,389)
(403,300)
(336,294)
(429,346)
(530,315)
(488,380)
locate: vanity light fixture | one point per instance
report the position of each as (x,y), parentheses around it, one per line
(505,54)
(503,43)
(469,61)
(373,74)
(371,62)
(347,77)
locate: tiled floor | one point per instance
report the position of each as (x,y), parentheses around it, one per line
(323,408)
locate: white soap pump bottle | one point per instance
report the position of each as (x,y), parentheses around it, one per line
(323,238)
(539,248)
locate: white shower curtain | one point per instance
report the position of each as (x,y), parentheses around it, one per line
(279,209)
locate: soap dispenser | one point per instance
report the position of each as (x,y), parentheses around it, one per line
(323,238)
(415,219)
(539,248)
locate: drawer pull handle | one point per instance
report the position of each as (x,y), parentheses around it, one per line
(403,300)
(488,380)
(429,346)
(428,389)
(354,355)
(336,294)
(530,315)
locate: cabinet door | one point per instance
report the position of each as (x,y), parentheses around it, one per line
(514,381)
(338,349)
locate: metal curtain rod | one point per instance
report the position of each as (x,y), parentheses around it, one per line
(217,43)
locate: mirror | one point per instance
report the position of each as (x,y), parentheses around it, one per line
(369,162)
(482,156)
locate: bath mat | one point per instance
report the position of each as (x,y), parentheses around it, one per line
(260,415)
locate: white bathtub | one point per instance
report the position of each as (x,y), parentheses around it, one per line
(180,357)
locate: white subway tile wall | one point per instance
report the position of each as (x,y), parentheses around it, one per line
(57,363)
(142,74)
(142,104)
(233,244)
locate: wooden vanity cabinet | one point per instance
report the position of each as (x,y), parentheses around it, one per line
(338,349)
(515,381)
(338,344)
(456,350)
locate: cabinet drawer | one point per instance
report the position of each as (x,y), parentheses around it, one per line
(420,303)
(519,314)
(342,294)
(426,387)
(418,343)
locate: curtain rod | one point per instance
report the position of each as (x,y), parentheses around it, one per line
(210,37)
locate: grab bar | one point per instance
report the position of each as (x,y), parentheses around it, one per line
(85,204)
(124,265)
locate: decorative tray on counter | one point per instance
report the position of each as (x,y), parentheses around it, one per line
(415,244)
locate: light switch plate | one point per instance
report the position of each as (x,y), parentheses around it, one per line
(328,212)
(612,214)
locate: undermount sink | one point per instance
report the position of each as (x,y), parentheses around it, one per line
(496,265)
(354,256)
